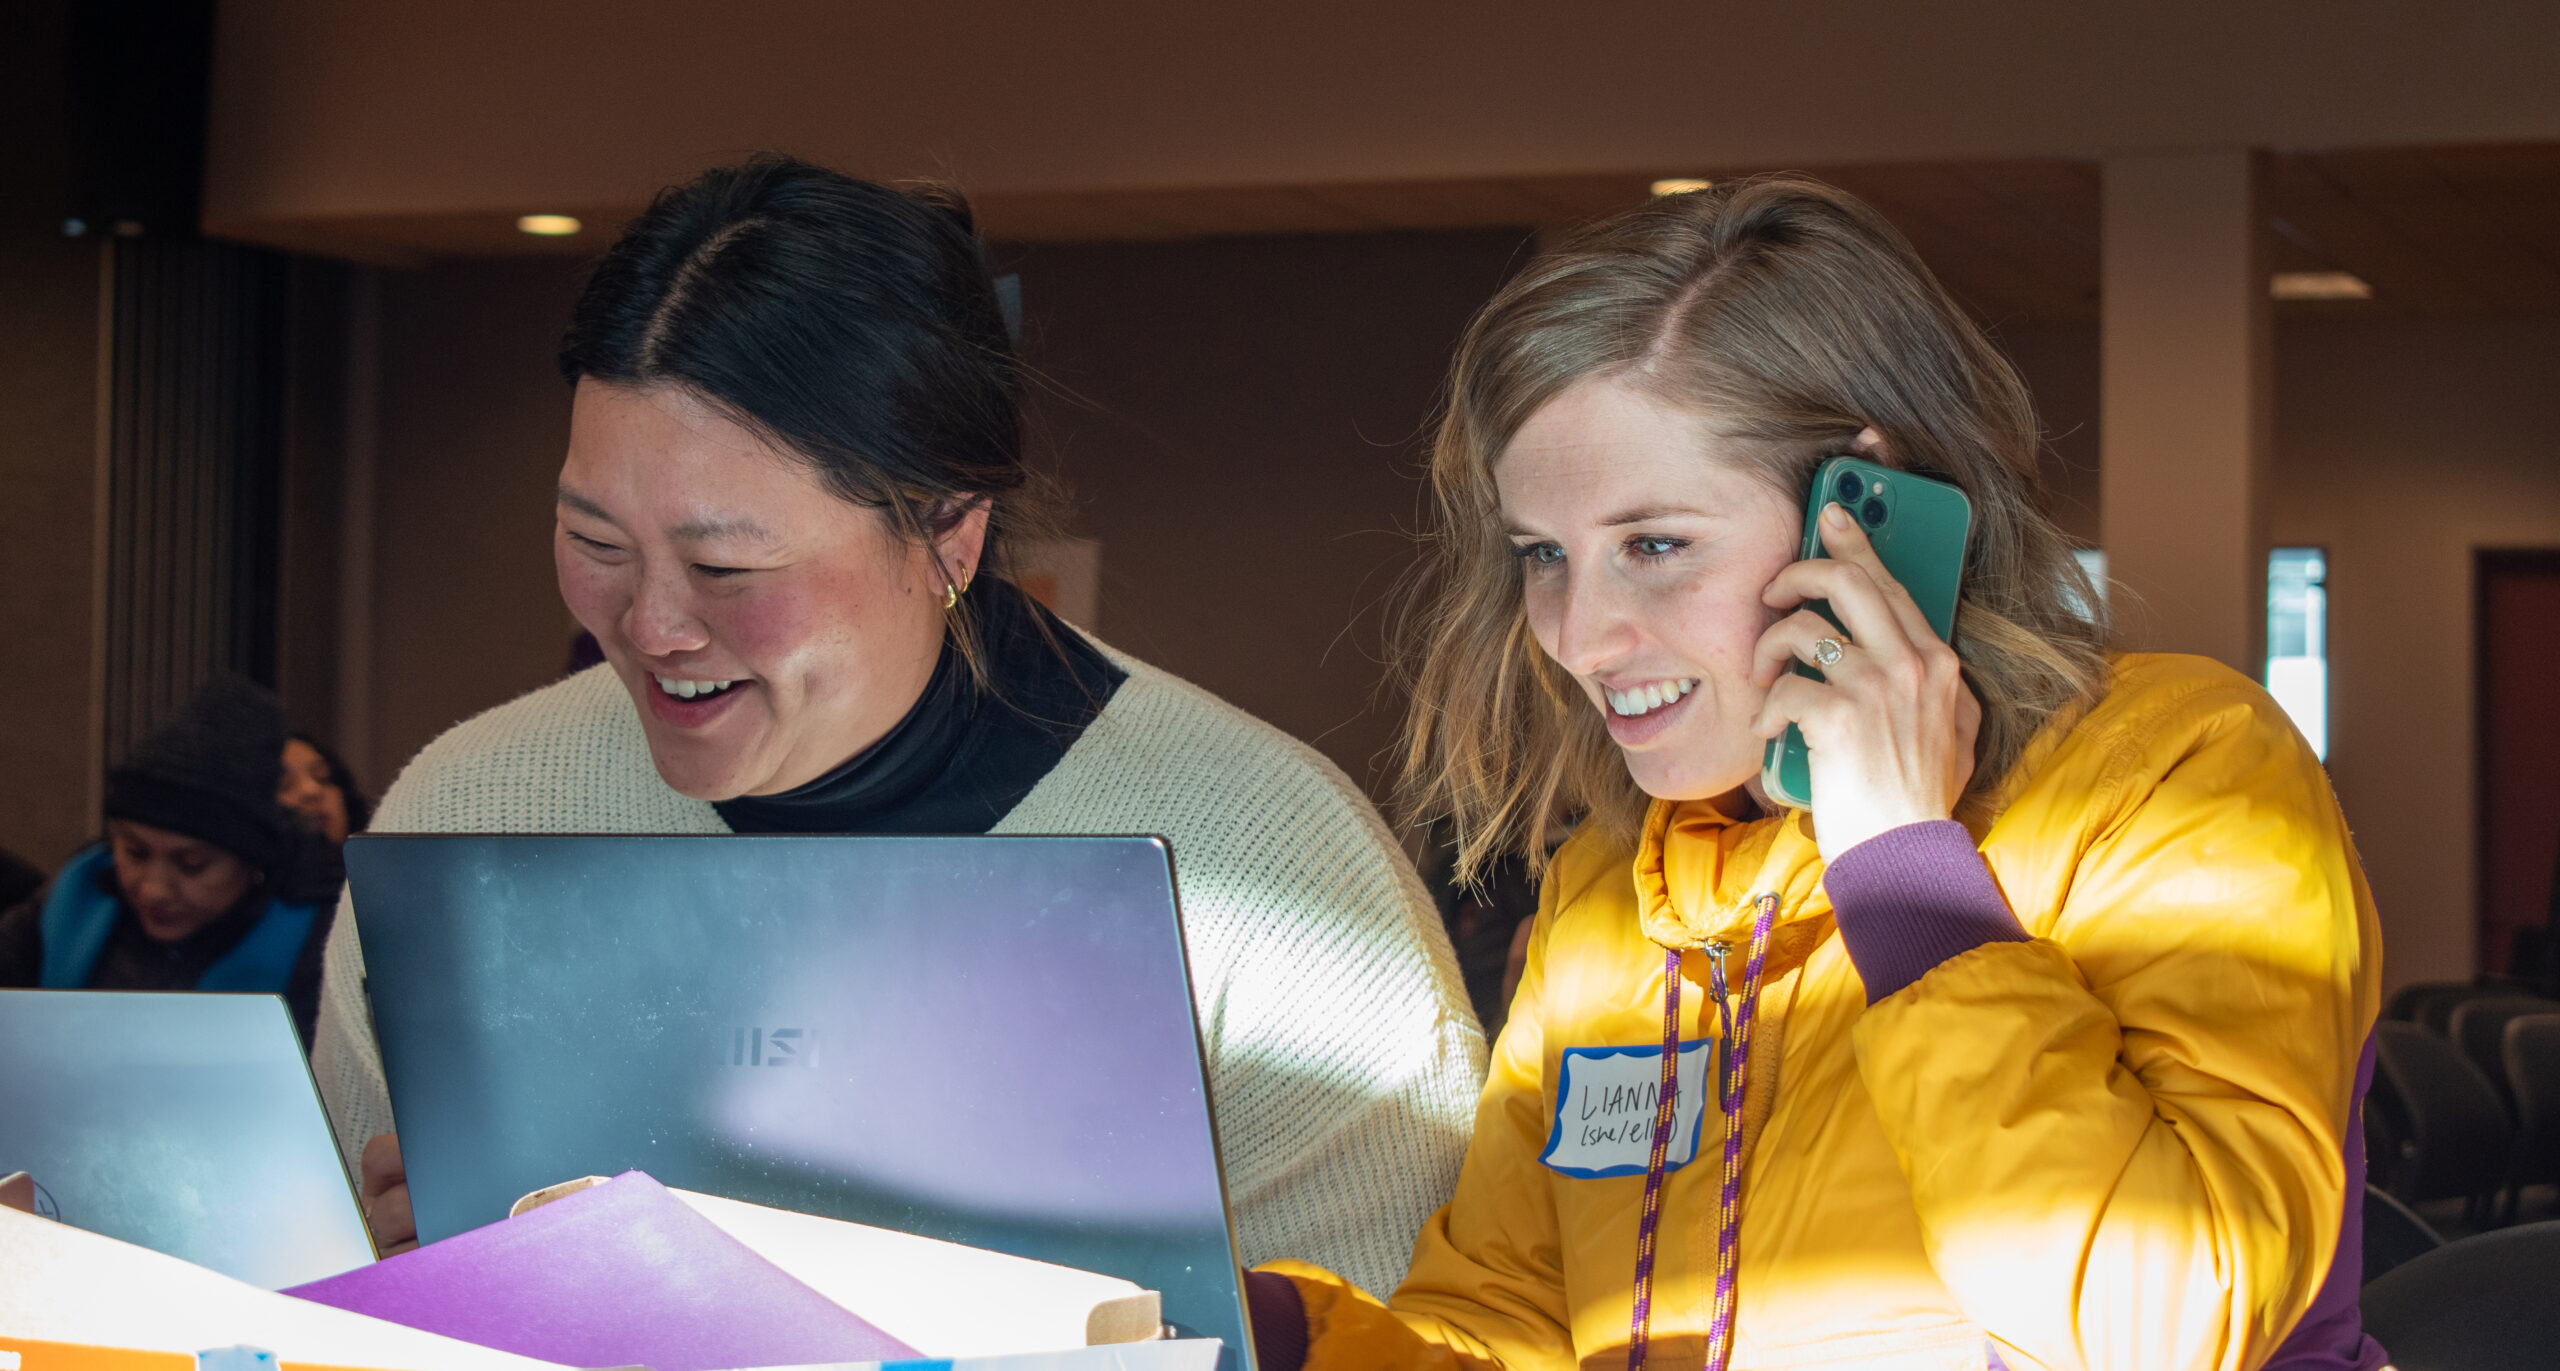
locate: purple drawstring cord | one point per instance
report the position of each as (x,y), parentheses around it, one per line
(1732,1078)
(1663,1110)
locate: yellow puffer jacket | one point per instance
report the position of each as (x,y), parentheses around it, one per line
(2115,1145)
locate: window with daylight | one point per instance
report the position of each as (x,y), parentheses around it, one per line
(2093,563)
(2298,639)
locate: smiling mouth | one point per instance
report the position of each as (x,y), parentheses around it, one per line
(677,688)
(1644,699)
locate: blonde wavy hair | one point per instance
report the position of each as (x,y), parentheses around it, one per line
(1791,315)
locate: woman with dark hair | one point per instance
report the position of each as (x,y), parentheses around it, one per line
(204,881)
(793,481)
(317,785)
(2037,1039)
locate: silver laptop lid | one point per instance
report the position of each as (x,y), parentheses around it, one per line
(185,1123)
(987,1040)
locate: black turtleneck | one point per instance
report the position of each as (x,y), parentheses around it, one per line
(963,757)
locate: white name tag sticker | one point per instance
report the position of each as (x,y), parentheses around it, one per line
(1605,1108)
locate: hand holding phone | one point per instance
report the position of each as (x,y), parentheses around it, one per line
(1888,730)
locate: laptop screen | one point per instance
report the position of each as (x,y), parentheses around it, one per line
(987,1040)
(185,1123)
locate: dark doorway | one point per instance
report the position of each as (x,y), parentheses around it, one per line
(2516,657)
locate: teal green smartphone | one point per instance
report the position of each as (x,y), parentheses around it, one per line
(1919,527)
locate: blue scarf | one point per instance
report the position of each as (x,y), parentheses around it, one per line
(80,915)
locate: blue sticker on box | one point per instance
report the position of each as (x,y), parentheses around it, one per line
(1605,1108)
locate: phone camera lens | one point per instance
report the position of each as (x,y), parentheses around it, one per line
(1850,485)
(1873,512)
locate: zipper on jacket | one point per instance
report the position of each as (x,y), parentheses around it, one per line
(1721,986)
(1717,984)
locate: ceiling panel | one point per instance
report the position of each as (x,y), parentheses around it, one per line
(2008,265)
(2437,230)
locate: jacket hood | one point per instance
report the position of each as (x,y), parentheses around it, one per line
(1698,871)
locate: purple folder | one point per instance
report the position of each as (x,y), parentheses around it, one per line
(620,1274)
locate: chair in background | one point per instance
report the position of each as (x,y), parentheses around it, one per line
(2531,1053)
(2406,1002)
(2435,1011)
(2530,959)
(2393,1234)
(2478,1026)
(2454,1135)
(2486,1303)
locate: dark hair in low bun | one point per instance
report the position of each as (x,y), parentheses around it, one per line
(851,323)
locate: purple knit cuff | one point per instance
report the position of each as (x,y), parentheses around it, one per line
(1912,897)
(1279,1315)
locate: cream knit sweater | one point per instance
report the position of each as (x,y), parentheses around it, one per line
(1342,1056)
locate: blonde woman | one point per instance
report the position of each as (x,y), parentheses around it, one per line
(2038,1041)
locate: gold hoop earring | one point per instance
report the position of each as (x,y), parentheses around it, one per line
(950,595)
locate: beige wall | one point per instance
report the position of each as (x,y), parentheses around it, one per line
(2060,365)
(473,421)
(1247,436)
(2400,446)
(2186,401)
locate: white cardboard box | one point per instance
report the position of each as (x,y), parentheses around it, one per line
(60,1284)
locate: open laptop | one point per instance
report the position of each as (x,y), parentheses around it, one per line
(987,1040)
(185,1123)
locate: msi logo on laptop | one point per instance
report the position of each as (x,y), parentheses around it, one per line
(770,1047)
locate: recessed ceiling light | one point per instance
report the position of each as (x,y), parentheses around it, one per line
(1681,185)
(2318,285)
(549,225)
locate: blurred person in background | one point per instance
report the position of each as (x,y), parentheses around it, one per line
(318,789)
(317,785)
(204,881)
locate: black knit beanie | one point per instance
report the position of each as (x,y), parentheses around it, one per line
(210,772)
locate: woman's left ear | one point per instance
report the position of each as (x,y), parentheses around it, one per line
(960,540)
(1870,443)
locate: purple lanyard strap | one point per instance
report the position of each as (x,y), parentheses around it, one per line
(1734,1049)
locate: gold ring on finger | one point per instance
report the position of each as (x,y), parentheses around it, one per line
(1827,651)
